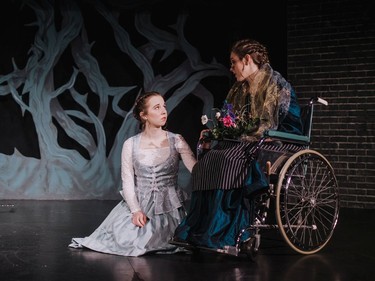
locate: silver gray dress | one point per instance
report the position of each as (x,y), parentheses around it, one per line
(149,179)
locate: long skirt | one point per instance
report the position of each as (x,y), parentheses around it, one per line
(119,236)
(217,215)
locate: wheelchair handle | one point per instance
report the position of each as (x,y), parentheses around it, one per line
(319,100)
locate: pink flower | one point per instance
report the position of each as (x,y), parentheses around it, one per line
(228,122)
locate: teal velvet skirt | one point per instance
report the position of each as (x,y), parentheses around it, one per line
(224,215)
(216,217)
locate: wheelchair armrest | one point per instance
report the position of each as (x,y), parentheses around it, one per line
(287,137)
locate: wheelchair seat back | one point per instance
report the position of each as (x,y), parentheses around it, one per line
(277,146)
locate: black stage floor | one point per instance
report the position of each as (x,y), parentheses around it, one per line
(35,234)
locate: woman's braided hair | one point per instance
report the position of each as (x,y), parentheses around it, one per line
(257,51)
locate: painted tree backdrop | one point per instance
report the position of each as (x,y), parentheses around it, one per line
(71,70)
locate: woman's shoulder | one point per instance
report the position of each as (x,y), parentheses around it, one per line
(177,139)
(131,139)
(172,134)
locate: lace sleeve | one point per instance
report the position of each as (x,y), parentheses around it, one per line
(127,176)
(187,155)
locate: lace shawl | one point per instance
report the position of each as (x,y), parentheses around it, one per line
(268,98)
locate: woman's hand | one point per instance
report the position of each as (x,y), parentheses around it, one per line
(139,219)
(205,142)
(204,134)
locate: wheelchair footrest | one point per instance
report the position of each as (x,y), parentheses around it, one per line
(230,250)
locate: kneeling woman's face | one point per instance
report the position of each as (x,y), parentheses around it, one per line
(156,112)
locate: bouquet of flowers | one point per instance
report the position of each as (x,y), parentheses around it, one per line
(228,124)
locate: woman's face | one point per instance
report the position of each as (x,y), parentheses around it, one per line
(242,68)
(237,67)
(156,112)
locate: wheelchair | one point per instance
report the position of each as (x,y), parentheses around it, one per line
(302,192)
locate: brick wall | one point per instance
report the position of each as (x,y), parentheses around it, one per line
(331,54)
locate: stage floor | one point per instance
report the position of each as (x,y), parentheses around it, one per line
(34,238)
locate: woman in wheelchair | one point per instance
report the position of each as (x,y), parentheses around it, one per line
(227,174)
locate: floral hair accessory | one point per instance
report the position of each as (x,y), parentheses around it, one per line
(230,124)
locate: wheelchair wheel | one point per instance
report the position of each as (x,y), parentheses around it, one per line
(307,201)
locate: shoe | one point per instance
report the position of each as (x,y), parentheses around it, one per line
(179,242)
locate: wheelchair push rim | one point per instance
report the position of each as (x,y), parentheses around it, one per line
(307,201)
